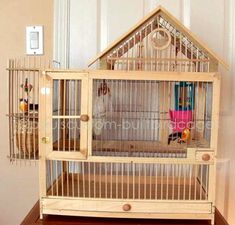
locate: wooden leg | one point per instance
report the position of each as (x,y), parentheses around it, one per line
(213,219)
(41,214)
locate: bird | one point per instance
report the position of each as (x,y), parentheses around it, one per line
(23,105)
(181,137)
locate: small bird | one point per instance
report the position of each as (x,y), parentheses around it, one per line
(182,137)
(23,105)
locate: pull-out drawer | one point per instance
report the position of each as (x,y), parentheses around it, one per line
(122,206)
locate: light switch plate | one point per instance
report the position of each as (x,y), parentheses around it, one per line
(34,40)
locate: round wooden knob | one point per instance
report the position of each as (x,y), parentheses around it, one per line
(126,207)
(84,118)
(206,157)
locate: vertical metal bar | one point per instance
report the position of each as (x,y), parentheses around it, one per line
(184,174)
(23,114)
(128,180)
(100,180)
(19,120)
(34,102)
(94,174)
(111,180)
(190,181)
(179,183)
(56,175)
(11,116)
(173,181)
(106,180)
(150,180)
(133,179)
(207,182)
(145,181)
(122,172)
(162,179)
(78,177)
(75,113)
(117,169)
(139,181)
(51,175)
(69,99)
(64,113)
(201,181)
(67,177)
(167,182)
(195,182)
(83,179)
(89,179)
(58,113)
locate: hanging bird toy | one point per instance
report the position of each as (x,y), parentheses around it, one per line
(27,88)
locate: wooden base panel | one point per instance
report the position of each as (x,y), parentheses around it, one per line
(137,209)
(33,218)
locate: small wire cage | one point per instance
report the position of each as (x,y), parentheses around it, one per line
(24,106)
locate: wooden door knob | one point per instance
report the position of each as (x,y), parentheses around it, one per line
(84,118)
(206,157)
(126,207)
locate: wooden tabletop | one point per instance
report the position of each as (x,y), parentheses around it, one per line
(33,218)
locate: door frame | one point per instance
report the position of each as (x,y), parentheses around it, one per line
(46,98)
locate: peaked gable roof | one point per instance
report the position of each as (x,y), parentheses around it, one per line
(174,21)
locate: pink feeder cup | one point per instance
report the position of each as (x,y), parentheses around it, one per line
(180,119)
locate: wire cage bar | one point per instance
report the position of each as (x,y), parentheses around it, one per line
(127,180)
(146,118)
(129,118)
(175,51)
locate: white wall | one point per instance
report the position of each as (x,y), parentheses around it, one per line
(95,24)
(18,182)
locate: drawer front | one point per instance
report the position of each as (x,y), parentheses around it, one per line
(132,206)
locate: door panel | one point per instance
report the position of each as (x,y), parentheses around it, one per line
(67,117)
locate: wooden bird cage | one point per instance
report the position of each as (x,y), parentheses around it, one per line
(136,138)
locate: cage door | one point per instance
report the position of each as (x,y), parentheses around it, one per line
(65,115)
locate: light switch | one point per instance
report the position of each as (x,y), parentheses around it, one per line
(34,40)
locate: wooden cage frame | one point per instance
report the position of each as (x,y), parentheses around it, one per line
(184,59)
(188,209)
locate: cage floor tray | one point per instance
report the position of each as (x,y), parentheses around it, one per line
(130,146)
